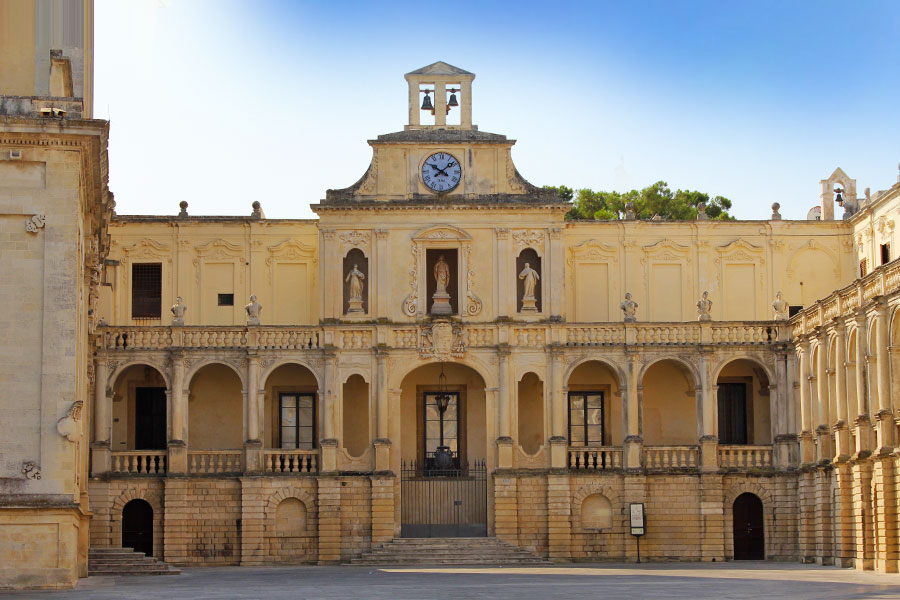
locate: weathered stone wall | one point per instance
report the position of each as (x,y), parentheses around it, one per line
(202,521)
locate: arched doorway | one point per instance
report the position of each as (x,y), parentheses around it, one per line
(443,448)
(139,409)
(749,534)
(137,526)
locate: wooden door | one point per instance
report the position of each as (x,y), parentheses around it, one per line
(137,526)
(150,418)
(749,537)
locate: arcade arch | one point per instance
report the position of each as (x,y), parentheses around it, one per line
(215,408)
(669,404)
(139,409)
(292,418)
(594,395)
(743,403)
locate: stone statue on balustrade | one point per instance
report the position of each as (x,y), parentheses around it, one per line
(355,278)
(441,305)
(253,309)
(781,308)
(178,311)
(629,307)
(704,306)
(529,277)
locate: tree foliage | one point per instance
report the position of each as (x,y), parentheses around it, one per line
(657,199)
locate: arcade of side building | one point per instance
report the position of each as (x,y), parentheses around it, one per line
(315,433)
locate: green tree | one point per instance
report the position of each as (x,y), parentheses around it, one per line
(656,199)
(565,193)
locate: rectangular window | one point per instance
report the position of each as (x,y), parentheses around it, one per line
(586,419)
(297,420)
(793,309)
(863,264)
(226,299)
(146,291)
(885,254)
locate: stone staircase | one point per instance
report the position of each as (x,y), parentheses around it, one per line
(479,551)
(125,561)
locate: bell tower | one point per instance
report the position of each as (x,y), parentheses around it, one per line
(439,89)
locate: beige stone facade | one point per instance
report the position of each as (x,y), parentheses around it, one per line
(272,415)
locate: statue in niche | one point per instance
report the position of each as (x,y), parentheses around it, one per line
(441,297)
(629,307)
(704,305)
(178,311)
(529,278)
(781,308)
(253,309)
(355,277)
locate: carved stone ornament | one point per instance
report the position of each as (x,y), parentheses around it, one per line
(411,302)
(66,426)
(531,238)
(442,340)
(354,238)
(475,303)
(34,223)
(31,470)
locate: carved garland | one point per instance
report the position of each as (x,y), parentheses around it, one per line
(411,303)
(475,303)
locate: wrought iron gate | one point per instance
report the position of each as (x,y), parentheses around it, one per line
(443,503)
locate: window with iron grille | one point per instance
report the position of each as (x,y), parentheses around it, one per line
(297,420)
(863,267)
(146,291)
(586,419)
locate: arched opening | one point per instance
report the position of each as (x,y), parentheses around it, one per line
(596,512)
(743,404)
(215,409)
(139,409)
(852,395)
(291,408)
(356,415)
(594,406)
(749,534)
(137,526)
(531,413)
(443,445)
(669,405)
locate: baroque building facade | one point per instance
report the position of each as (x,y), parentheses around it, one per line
(441,353)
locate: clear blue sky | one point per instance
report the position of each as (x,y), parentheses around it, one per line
(221,103)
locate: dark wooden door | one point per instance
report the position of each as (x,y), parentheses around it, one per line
(732,400)
(749,537)
(150,418)
(137,526)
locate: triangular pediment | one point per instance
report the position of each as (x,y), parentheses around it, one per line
(440,68)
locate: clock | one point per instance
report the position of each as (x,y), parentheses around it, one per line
(441,172)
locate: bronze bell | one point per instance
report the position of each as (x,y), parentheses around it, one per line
(452,101)
(426,103)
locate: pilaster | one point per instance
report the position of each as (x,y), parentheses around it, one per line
(712,511)
(506,507)
(382,509)
(329,520)
(559,517)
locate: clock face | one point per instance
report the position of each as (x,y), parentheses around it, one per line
(441,172)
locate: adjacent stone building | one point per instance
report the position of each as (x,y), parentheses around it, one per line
(441,353)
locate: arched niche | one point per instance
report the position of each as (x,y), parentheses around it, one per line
(215,408)
(531,413)
(355,261)
(596,512)
(529,257)
(356,415)
(290,518)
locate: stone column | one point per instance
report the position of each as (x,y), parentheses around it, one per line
(633,438)
(558,438)
(328,444)
(709,443)
(884,417)
(823,431)
(253,443)
(504,282)
(556,267)
(862,422)
(382,433)
(806,436)
(782,433)
(842,449)
(504,440)
(178,431)
(100,448)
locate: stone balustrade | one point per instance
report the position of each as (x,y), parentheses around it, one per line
(215,461)
(139,462)
(881,281)
(290,461)
(274,337)
(671,457)
(594,459)
(745,457)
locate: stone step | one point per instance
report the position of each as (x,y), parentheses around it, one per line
(447,551)
(125,561)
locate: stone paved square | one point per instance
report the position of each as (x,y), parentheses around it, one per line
(607,581)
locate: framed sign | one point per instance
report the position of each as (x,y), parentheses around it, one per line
(638,526)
